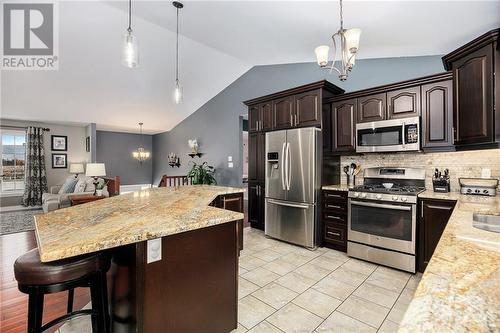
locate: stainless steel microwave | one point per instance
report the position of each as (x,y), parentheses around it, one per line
(388,135)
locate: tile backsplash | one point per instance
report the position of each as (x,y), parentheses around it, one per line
(461,164)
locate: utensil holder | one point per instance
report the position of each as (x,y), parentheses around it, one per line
(351,181)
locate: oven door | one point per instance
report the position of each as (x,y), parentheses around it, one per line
(388,135)
(384,225)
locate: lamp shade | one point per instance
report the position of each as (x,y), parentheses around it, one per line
(352,39)
(322,55)
(76,168)
(96,170)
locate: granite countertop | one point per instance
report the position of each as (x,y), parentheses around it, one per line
(129,218)
(460,289)
(341,187)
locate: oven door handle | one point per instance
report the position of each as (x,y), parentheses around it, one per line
(376,205)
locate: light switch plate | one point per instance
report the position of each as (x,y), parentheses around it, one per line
(229,158)
(230,164)
(153,250)
(485,173)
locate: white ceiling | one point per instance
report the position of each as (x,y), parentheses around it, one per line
(221,41)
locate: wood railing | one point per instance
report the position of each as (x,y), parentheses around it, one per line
(171,181)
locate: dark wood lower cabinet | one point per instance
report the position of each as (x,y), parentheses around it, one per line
(334,219)
(433,217)
(256,204)
(193,288)
(233,202)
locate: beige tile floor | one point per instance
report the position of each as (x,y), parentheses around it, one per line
(286,288)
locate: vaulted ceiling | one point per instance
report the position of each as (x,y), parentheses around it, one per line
(220,41)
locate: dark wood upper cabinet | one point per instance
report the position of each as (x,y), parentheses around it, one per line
(308,109)
(253,118)
(403,103)
(371,108)
(283,111)
(476,91)
(437,115)
(344,125)
(434,216)
(266,115)
(474,97)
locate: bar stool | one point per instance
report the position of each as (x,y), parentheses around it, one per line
(37,279)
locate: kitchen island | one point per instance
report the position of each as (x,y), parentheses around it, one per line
(175,255)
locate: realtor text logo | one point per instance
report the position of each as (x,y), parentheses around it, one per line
(29,36)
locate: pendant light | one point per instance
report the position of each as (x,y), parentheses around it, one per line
(141,154)
(130,52)
(349,46)
(177,95)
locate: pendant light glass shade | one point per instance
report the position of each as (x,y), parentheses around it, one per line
(322,55)
(352,39)
(177,95)
(130,51)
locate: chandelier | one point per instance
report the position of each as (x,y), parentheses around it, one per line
(141,154)
(349,45)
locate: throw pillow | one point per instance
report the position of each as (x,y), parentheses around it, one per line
(69,186)
(89,186)
(66,184)
(80,185)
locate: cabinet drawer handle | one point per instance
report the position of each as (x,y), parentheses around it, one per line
(333,196)
(334,206)
(335,217)
(333,233)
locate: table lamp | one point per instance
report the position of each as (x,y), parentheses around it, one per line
(95,170)
(76,168)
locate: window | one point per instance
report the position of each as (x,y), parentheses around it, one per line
(13,145)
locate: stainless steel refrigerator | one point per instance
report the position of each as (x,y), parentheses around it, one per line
(293,166)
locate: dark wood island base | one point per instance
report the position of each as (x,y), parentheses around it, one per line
(193,288)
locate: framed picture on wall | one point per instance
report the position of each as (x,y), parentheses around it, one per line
(59,142)
(59,161)
(87,144)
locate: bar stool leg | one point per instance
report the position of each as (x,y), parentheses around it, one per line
(103,286)
(71,296)
(35,311)
(97,324)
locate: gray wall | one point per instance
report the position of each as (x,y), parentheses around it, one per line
(115,150)
(76,151)
(216,124)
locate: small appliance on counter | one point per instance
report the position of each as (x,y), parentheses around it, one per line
(441,181)
(478,186)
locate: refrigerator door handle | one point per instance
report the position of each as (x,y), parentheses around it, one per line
(283,166)
(289,166)
(287,204)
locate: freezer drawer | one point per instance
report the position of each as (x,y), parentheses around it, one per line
(291,222)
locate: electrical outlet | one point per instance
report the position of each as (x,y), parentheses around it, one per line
(153,250)
(229,158)
(230,165)
(485,173)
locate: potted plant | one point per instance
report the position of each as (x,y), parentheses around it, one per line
(202,174)
(99,187)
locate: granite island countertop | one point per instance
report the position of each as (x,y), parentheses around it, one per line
(460,288)
(129,218)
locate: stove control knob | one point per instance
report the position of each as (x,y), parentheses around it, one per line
(356,194)
(404,199)
(469,190)
(486,191)
(379,196)
(395,198)
(363,195)
(477,191)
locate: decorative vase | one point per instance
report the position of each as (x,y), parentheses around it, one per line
(98,193)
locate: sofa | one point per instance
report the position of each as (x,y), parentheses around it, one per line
(59,195)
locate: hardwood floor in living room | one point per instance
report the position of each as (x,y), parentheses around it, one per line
(13,303)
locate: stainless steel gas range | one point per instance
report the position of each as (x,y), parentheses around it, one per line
(382,216)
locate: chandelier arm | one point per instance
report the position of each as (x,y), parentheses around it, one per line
(334,46)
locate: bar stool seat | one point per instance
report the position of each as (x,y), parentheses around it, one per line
(29,270)
(37,279)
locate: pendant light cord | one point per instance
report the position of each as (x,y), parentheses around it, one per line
(177,50)
(341,17)
(129,16)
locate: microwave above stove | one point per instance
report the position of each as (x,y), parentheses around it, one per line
(388,135)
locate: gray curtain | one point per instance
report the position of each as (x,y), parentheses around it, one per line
(35,177)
